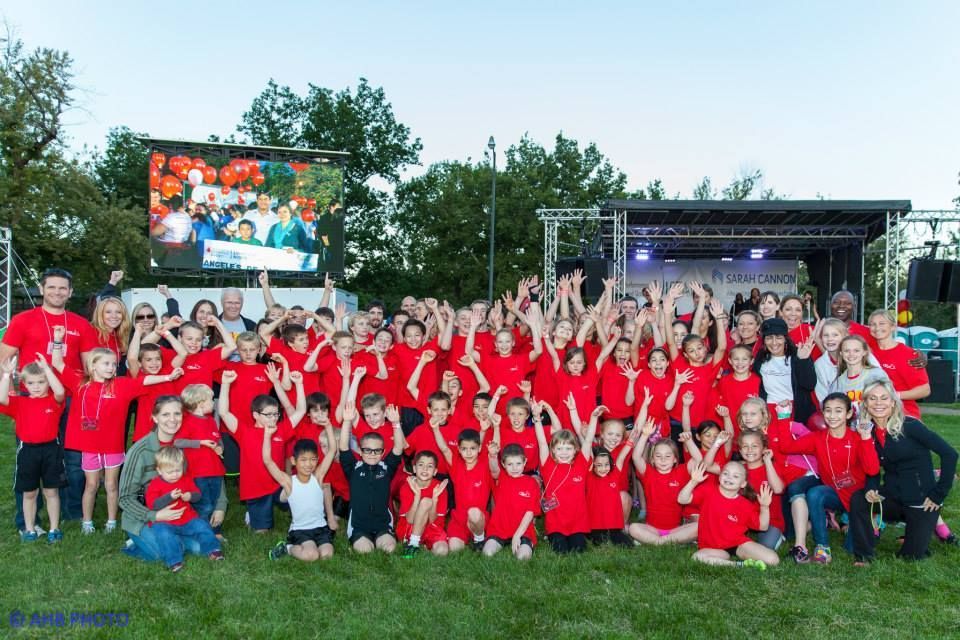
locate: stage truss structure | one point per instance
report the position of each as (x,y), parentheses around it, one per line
(6,276)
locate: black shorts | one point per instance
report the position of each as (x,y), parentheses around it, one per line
(371,535)
(506,542)
(318,536)
(39,464)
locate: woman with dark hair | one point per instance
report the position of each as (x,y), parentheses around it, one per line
(786,373)
(201,313)
(910,491)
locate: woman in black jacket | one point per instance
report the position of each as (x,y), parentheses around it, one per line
(910,490)
(787,376)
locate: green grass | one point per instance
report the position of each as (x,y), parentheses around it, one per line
(643,592)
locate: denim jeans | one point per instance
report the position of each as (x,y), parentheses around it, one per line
(819,500)
(146,546)
(209,494)
(168,538)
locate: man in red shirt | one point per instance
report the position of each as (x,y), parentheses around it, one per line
(31,332)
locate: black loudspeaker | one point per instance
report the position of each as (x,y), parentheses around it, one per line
(926,279)
(940,373)
(594,270)
(950,287)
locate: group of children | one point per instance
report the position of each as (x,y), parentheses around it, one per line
(459,429)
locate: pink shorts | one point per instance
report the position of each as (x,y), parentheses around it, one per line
(98,461)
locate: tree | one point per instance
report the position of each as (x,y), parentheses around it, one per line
(362,123)
(57,212)
(704,190)
(742,186)
(120,171)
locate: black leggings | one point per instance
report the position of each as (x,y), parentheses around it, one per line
(920,526)
(614,536)
(574,543)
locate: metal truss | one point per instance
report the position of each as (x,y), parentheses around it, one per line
(6,275)
(553,219)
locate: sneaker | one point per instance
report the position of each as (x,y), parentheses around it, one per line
(86,528)
(39,530)
(951,539)
(110,527)
(750,563)
(822,554)
(477,545)
(278,550)
(800,555)
(410,551)
(216,555)
(55,536)
(176,567)
(28,536)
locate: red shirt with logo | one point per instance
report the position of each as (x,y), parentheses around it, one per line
(567,482)
(661,491)
(903,376)
(605,510)
(512,499)
(202,462)
(36,420)
(724,521)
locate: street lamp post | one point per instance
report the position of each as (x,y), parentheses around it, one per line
(492,145)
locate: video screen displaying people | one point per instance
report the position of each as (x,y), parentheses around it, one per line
(219,213)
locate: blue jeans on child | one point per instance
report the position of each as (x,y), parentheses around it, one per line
(209,494)
(145,545)
(819,500)
(168,538)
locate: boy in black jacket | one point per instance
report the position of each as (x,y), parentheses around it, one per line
(370,524)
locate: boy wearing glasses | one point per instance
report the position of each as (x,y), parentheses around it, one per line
(258,489)
(370,524)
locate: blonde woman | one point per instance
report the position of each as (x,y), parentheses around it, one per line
(910,491)
(112,325)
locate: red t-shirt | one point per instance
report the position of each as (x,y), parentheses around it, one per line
(200,368)
(145,403)
(406,501)
(755,478)
(36,420)
(98,412)
(371,383)
(512,498)
(857,329)
(255,480)
(704,377)
(202,462)
(508,371)
(527,439)
(605,511)
(903,376)
(613,391)
(567,482)
(158,487)
(31,332)
(471,487)
(733,392)
(724,521)
(545,384)
(296,361)
(661,491)
(252,381)
(468,381)
(385,431)
(422,439)
(660,389)
(331,380)
(584,390)
(407,360)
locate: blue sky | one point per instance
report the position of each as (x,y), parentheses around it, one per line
(849,99)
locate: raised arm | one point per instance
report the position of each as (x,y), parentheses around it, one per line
(264,280)
(482,383)
(426,357)
(229,345)
(227,418)
(648,429)
(608,348)
(441,443)
(586,446)
(697,475)
(576,280)
(7,368)
(542,445)
(716,310)
(267,453)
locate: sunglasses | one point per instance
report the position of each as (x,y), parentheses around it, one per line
(371,452)
(147,316)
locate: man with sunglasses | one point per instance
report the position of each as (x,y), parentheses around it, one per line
(30,333)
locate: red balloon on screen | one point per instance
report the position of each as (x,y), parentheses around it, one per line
(228,176)
(307,215)
(158,159)
(241,168)
(225,190)
(258,179)
(154,176)
(160,210)
(209,175)
(311,203)
(241,200)
(170,186)
(198,163)
(298,166)
(211,196)
(254,167)
(301,200)
(176,163)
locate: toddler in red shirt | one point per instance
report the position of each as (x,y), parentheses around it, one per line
(199,438)
(36,421)
(761,470)
(472,485)
(604,508)
(423,508)
(516,502)
(171,488)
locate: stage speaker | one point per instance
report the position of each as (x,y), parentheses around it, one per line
(926,279)
(594,270)
(950,287)
(940,373)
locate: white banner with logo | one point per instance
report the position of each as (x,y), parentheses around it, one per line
(218,254)
(726,278)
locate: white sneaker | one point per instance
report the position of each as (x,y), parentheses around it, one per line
(86,528)
(110,527)
(40,531)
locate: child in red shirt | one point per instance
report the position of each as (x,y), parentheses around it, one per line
(423,437)
(577,378)
(146,358)
(171,488)
(726,513)
(39,459)
(733,388)
(516,502)
(761,470)
(564,466)
(662,477)
(658,388)
(604,507)
(258,489)
(408,357)
(472,484)
(200,365)
(383,368)
(199,437)
(617,381)
(423,508)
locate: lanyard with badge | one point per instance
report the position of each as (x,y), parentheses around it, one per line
(843,480)
(88,422)
(51,343)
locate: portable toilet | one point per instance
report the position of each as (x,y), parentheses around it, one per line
(903,335)
(924,338)
(947,349)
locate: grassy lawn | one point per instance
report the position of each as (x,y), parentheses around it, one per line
(643,592)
